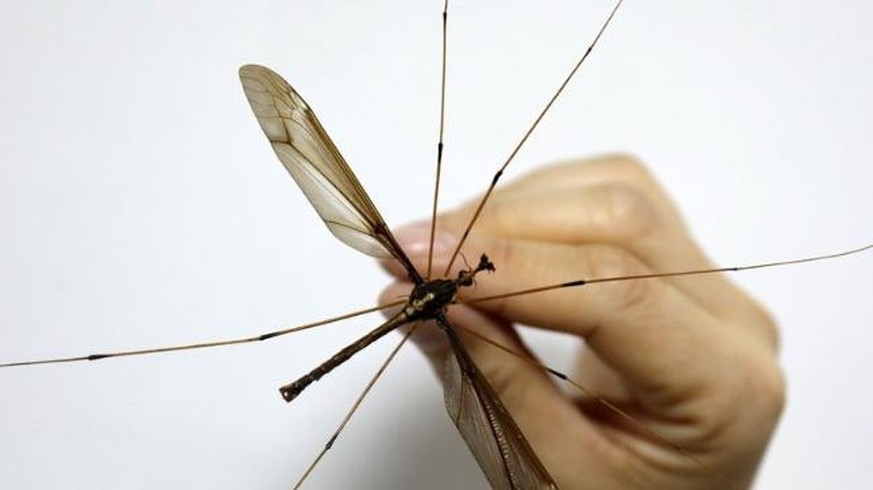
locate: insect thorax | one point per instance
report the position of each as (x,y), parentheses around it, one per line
(430,298)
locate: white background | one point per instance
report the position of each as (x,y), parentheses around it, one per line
(141,206)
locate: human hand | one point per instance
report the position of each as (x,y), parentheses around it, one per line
(691,359)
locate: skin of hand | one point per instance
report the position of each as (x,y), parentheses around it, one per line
(692,359)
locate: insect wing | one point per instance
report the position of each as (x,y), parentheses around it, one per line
(492,435)
(307,152)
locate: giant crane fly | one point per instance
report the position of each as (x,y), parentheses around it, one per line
(312,159)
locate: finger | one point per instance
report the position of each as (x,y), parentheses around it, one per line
(614,201)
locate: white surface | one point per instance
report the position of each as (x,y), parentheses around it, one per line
(140,206)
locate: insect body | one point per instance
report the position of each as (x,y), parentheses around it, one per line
(306,151)
(427,301)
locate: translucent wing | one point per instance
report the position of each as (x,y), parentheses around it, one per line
(311,158)
(495,440)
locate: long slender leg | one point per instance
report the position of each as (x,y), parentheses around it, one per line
(527,134)
(201,345)
(439,161)
(355,405)
(584,282)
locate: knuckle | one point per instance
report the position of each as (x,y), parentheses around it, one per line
(502,216)
(607,262)
(498,215)
(630,166)
(772,392)
(763,391)
(766,398)
(626,210)
(767,326)
(504,377)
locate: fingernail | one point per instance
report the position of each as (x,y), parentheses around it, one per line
(415,239)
